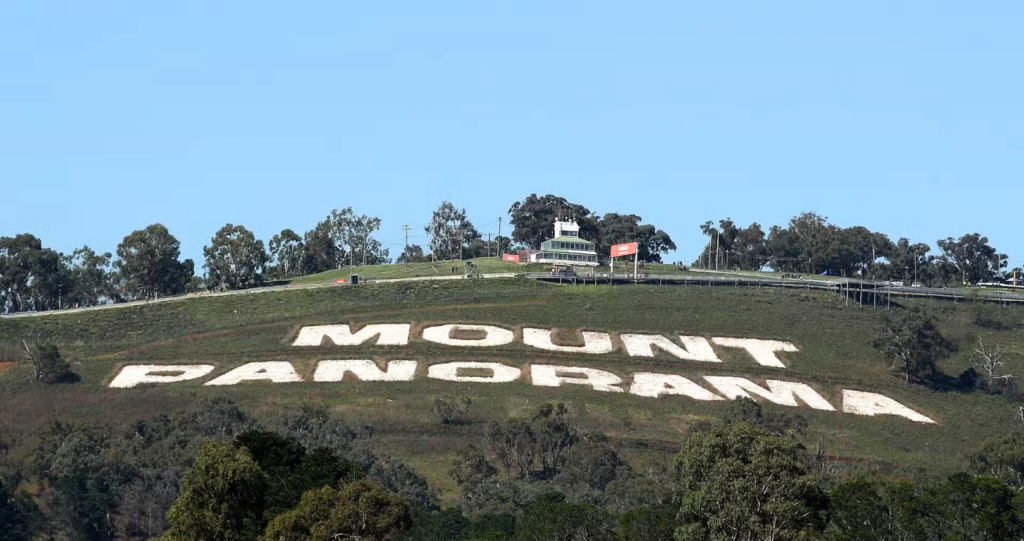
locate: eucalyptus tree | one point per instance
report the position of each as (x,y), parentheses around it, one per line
(235,259)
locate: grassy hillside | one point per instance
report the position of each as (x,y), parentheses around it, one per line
(834,341)
(444,268)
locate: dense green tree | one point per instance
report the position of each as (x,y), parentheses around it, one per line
(291,471)
(400,479)
(1003,457)
(972,508)
(235,259)
(907,262)
(351,235)
(360,510)
(911,341)
(148,264)
(285,255)
(622,228)
(733,247)
(320,251)
(413,254)
(648,524)
(89,274)
(17,515)
(30,275)
(533,219)
(973,258)
(745,410)
(47,364)
(565,522)
(739,482)
(809,243)
(450,232)
(222,497)
(875,509)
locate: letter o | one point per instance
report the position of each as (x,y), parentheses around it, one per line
(450,372)
(442,334)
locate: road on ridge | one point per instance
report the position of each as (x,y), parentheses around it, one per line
(206,295)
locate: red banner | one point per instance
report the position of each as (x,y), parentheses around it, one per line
(624,249)
(511,258)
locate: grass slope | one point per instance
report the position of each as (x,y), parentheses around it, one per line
(834,341)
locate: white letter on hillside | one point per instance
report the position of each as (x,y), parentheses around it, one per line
(694,348)
(594,342)
(275,371)
(365,370)
(763,351)
(442,334)
(871,404)
(546,375)
(655,385)
(500,373)
(783,393)
(133,375)
(341,335)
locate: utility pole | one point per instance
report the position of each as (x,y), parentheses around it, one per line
(488,245)
(406,229)
(718,245)
(499,238)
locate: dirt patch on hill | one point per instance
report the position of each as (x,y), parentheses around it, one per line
(5,366)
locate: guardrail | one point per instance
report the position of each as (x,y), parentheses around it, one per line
(841,286)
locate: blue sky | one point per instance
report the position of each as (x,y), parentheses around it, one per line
(905,117)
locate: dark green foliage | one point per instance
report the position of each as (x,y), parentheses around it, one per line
(648,524)
(973,258)
(616,228)
(533,222)
(222,498)
(30,277)
(739,482)
(235,259)
(450,411)
(776,423)
(590,465)
(360,510)
(19,517)
(556,432)
(910,339)
(565,522)
(47,364)
(451,232)
(533,219)
(732,247)
(403,481)
(810,244)
(285,255)
(876,509)
(312,426)
(412,254)
(1003,457)
(968,507)
(148,266)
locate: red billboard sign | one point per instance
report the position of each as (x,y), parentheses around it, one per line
(624,249)
(511,258)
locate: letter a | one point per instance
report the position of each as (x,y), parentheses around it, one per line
(275,371)
(871,404)
(365,370)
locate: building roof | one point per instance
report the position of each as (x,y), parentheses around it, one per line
(569,239)
(564,251)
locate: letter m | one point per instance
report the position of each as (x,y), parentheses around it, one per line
(783,393)
(341,335)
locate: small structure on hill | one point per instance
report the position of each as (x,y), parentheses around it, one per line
(566,248)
